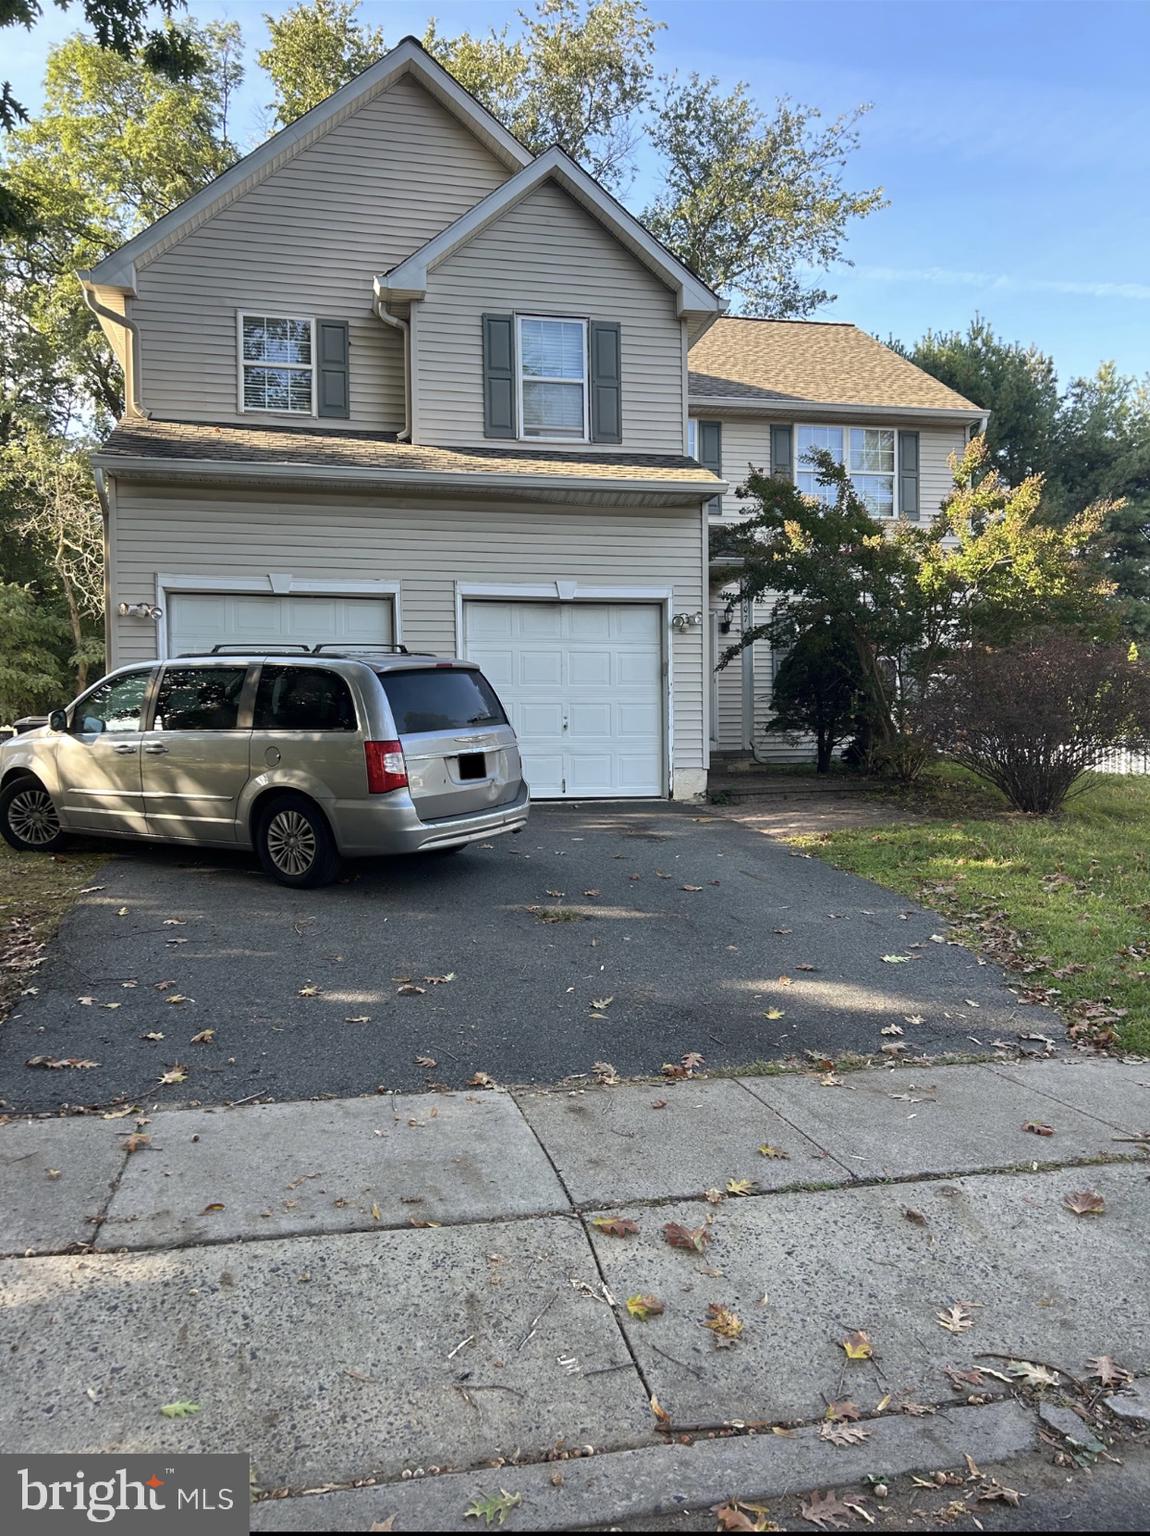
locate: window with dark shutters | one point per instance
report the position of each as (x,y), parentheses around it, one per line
(333,392)
(498,376)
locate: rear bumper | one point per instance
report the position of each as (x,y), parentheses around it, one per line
(393,826)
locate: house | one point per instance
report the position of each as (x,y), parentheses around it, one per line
(391,379)
(761,395)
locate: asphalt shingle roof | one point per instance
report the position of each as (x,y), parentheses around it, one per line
(153,439)
(797,361)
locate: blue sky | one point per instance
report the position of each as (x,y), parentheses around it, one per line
(1012,139)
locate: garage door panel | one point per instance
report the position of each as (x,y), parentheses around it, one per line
(597,666)
(199,620)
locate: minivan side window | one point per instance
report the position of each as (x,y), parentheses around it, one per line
(303,699)
(114,705)
(441,699)
(199,698)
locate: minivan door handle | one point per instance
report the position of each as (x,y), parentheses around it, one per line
(155,748)
(124,747)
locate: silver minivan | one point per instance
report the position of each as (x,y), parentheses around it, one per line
(307,754)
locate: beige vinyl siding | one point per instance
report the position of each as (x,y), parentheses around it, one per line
(427,548)
(747,442)
(307,241)
(547,255)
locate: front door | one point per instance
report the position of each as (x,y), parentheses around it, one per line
(194,760)
(98,757)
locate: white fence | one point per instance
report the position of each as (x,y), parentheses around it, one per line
(1126,761)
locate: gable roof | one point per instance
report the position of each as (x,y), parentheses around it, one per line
(798,363)
(408,280)
(408,57)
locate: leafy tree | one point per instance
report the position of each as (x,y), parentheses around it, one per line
(123,28)
(315,48)
(1016,384)
(1102,449)
(906,597)
(50,481)
(33,669)
(754,202)
(579,75)
(816,691)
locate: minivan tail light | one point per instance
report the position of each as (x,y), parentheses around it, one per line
(386,768)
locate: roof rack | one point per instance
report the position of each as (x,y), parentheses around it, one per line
(255,650)
(336,647)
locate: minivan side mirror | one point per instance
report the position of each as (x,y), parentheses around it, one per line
(58,720)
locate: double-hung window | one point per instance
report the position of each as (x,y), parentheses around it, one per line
(870,463)
(276,364)
(552,355)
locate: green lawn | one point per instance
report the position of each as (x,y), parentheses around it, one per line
(1065,901)
(36,890)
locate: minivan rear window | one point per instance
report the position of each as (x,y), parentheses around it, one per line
(441,699)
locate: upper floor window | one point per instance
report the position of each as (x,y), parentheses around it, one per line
(276,372)
(870,462)
(553,377)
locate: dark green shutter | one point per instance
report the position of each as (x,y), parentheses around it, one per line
(333,395)
(908,495)
(499,375)
(709,443)
(605,342)
(783,452)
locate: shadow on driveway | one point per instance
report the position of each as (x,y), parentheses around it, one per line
(583,939)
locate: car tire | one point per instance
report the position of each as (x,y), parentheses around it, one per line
(295,844)
(28,816)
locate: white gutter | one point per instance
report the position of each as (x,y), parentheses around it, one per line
(799,409)
(404,434)
(444,479)
(106,514)
(134,400)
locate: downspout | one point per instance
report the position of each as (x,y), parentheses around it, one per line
(404,434)
(106,514)
(134,402)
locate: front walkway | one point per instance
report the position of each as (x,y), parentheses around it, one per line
(438,1298)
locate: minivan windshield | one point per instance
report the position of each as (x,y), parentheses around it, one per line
(441,699)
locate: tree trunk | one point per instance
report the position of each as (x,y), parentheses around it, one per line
(76,625)
(824,752)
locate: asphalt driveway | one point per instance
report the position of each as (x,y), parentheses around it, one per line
(625,934)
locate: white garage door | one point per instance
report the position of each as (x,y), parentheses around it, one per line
(583,684)
(199,620)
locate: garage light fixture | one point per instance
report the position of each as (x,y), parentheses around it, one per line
(684,621)
(140,611)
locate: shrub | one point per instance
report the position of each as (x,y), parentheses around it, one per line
(1034,718)
(817,690)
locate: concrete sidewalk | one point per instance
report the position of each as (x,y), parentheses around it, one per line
(411,1302)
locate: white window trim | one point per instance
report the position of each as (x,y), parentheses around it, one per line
(846,427)
(273,584)
(525,437)
(255,410)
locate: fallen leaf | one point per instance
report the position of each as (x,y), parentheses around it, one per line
(713,1196)
(843,1409)
(1084,1202)
(439,981)
(389,1523)
(615,1226)
(896,959)
(774,1013)
(176,1074)
(205,1037)
(1108,1372)
(737,1516)
(692,1060)
(956,1319)
(172,922)
(844,1434)
(52,1173)
(591,893)
(481,1080)
(409,989)
(358,1018)
(136,1142)
(690,887)
(694,1239)
(823,1509)
(209,1210)
(153,1034)
(741,1186)
(179,1410)
(1032,1375)
(60,1063)
(997,1490)
(123,912)
(308,991)
(806,967)
(376,1213)
(426,1061)
(916,1216)
(643,1307)
(494,1508)
(723,1323)
(661,1414)
(658,1103)
(858,1346)
(176,997)
(767,1150)
(1036,1128)
(602,1002)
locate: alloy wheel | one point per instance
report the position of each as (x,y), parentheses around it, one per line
(292,843)
(32,817)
